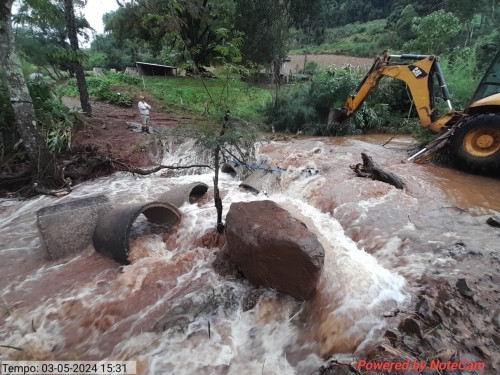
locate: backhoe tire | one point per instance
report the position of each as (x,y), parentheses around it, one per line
(475,146)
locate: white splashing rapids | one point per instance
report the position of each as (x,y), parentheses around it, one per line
(171,312)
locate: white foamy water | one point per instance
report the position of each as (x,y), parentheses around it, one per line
(171,312)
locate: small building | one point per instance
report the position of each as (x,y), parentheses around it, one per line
(286,74)
(149,69)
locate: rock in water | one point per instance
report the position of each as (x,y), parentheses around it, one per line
(273,249)
(494,221)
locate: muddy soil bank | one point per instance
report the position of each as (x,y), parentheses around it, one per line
(107,132)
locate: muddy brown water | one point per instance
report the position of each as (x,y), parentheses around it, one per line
(383,246)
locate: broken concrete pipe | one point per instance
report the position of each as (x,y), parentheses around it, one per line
(229,169)
(111,236)
(77,218)
(185,193)
(261,180)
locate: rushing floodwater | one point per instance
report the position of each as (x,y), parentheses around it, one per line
(379,241)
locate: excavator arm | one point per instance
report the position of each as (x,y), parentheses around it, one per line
(417,74)
(473,135)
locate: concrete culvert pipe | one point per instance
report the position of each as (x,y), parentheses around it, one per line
(229,169)
(185,193)
(261,180)
(111,236)
(68,227)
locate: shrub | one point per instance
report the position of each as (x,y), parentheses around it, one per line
(312,67)
(306,108)
(56,119)
(125,78)
(462,78)
(100,89)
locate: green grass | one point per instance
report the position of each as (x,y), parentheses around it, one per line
(191,95)
(462,77)
(184,95)
(357,39)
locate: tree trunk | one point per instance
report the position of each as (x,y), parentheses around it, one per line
(77,66)
(217,198)
(277,82)
(42,162)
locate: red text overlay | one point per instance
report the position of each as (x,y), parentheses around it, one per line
(436,365)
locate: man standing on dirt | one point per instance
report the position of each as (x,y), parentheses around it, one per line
(144,112)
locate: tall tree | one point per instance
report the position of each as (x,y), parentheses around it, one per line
(42,163)
(41,34)
(266,26)
(434,32)
(190,26)
(71,27)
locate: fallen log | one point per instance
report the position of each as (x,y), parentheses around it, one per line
(84,168)
(370,169)
(144,172)
(81,167)
(53,192)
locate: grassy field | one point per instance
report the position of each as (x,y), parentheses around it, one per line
(194,95)
(183,95)
(358,39)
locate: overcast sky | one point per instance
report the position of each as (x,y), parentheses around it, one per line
(95,9)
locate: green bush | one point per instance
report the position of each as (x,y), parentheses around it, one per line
(28,69)
(95,60)
(462,77)
(306,108)
(355,39)
(56,119)
(100,89)
(124,78)
(312,67)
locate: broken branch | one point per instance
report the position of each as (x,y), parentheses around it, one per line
(371,170)
(144,172)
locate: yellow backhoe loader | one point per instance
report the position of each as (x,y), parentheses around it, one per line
(472,135)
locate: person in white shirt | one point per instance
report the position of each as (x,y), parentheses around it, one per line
(144,112)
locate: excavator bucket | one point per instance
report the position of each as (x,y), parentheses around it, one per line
(337,116)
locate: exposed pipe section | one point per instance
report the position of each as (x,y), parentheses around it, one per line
(111,236)
(178,195)
(68,227)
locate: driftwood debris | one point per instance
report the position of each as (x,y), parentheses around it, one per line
(371,170)
(118,166)
(54,192)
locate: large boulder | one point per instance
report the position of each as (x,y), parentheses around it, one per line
(273,249)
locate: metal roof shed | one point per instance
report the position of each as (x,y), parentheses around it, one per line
(148,69)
